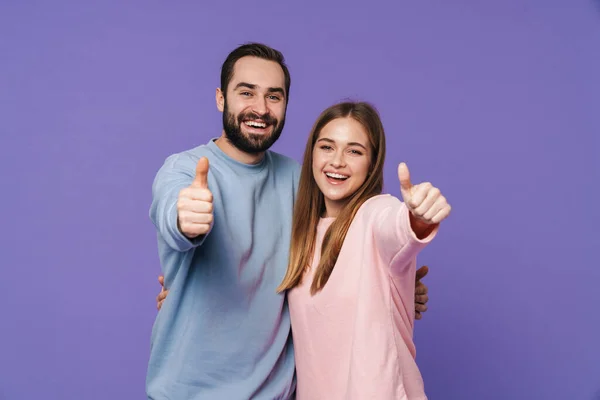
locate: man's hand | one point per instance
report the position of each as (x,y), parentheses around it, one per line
(195,204)
(421,297)
(163,292)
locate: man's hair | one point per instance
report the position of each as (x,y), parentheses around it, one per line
(254,50)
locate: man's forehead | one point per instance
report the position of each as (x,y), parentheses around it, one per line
(259,72)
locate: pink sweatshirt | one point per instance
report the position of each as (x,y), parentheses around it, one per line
(353,339)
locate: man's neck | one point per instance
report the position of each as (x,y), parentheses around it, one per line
(241,156)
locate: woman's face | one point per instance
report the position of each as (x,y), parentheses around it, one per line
(341,161)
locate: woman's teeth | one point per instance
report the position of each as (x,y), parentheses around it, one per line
(336,176)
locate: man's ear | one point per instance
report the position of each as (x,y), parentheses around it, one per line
(220,98)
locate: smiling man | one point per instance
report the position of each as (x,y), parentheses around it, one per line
(223,214)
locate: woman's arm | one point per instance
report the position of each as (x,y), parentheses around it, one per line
(394,235)
(402,229)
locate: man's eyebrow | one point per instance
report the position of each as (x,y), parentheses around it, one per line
(276,90)
(245,84)
(253,87)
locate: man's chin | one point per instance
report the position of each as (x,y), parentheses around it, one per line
(258,146)
(250,143)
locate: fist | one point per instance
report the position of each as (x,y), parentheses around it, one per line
(195,204)
(424,201)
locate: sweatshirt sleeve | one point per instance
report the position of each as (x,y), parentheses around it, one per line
(174,175)
(394,238)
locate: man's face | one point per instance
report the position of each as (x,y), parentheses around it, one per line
(255,104)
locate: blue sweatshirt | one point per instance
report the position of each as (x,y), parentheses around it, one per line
(223,332)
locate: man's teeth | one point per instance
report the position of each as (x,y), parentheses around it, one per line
(255,124)
(336,176)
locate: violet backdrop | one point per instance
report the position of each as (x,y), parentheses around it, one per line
(497,103)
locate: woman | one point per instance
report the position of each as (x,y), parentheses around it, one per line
(350,280)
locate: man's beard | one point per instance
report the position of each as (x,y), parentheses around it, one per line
(250,143)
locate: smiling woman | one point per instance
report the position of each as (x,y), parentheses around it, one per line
(352,263)
(336,135)
(341,161)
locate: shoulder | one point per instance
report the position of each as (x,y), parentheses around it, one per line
(378,208)
(187,160)
(378,203)
(285,162)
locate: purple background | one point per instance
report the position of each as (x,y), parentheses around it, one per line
(495,102)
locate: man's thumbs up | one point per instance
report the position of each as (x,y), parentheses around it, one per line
(201,179)
(195,204)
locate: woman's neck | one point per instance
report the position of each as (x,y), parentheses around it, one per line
(332,208)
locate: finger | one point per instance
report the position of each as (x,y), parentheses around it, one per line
(422,299)
(442,214)
(439,204)
(192,218)
(422,272)
(161,280)
(429,203)
(404,177)
(159,305)
(421,308)
(195,229)
(201,194)
(195,206)
(417,315)
(419,193)
(193,193)
(201,179)
(420,289)
(162,295)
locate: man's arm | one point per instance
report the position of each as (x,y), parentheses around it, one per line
(182,209)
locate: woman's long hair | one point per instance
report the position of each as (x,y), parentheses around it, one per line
(310,204)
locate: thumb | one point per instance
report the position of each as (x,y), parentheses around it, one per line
(404,177)
(201,179)
(421,272)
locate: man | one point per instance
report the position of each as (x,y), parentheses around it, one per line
(223,213)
